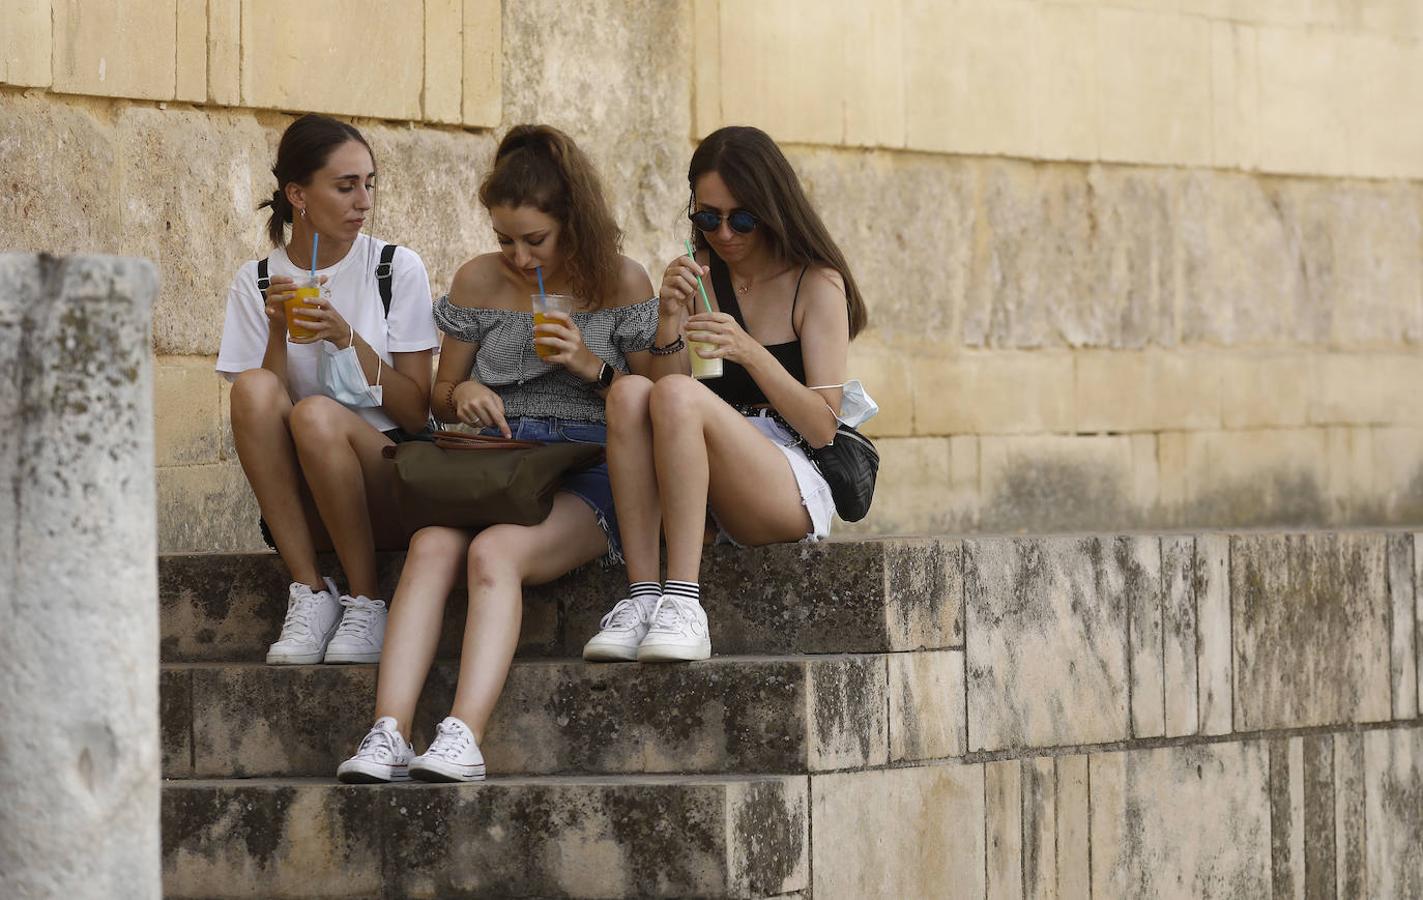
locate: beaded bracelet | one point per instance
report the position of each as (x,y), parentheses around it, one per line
(670,348)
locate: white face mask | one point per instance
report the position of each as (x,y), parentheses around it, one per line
(342,379)
(856,406)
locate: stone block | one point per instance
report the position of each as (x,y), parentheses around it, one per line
(926,705)
(1146,473)
(1367,389)
(706,75)
(848,704)
(191,75)
(884,371)
(297,57)
(1074,821)
(963,87)
(198,238)
(1065,74)
(1039,864)
(1003,808)
(1178,621)
(56,149)
(1310,630)
(1047,649)
(1305,107)
(225,52)
(898,832)
(25,45)
(1190,820)
(1266,390)
(1418,607)
(1388,141)
(1401,18)
(175,721)
(443,93)
(1316,758)
(1235,95)
(1146,391)
(205,509)
(613,82)
(126,48)
(186,409)
(1353,480)
(1056,483)
(913,493)
(1287,859)
(1146,621)
(1246,478)
(923,591)
(482,103)
(1397,468)
(874,67)
(1211,584)
(1403,656)
(1393,765)
(519,837)
(1351,778)
(992,392)
(1155,105)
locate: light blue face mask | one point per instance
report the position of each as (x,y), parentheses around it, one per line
(856,405)
(342,379)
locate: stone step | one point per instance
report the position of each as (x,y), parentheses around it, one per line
(728,714)
(860,596)
(519,837)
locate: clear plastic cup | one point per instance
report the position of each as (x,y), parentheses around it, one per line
(703,369)
(547,303)
(308,290)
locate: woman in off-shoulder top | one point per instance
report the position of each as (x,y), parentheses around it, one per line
(550,217)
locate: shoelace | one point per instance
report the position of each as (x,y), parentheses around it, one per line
(625,614)
(450,741)
(671,613)
(299,612)
(360,615)
(380,745)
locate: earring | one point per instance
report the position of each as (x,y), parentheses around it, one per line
(303,212)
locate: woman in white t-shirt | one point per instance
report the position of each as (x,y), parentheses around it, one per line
(313,460)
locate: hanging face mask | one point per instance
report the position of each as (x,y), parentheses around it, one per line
(342,379)
(856,406)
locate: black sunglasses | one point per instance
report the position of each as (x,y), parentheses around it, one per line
(741,221)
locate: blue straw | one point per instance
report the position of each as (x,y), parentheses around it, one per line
(539,270)
(315,239)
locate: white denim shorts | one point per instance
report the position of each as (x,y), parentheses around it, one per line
(814,491)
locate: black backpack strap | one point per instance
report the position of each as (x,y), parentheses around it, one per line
(263,282)
(384,273)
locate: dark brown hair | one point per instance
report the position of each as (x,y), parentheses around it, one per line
(540,166)
(761,179)
(306,146)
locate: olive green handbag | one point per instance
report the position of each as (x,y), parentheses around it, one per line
(470,481)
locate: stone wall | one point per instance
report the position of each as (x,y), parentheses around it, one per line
(1128,264)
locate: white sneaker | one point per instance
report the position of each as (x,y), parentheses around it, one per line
(361,632)
(453,755)
(311,620)
(678,632)
(383,756)
(622,629)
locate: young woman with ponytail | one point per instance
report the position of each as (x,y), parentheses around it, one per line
(550,217)
(309,440)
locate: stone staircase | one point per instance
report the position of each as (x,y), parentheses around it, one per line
(606,780)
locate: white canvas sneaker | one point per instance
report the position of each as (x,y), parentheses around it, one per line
(383,756)
(677,633)
(361,632)
(311,620)
(621,630)
(453,755)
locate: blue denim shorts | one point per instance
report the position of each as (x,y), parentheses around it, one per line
(592,485)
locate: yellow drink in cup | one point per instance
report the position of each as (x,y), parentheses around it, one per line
(302,299)
(547,303)
(703,368)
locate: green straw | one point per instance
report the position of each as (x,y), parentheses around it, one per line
(701,287)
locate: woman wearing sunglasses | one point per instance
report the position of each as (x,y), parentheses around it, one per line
(783,309)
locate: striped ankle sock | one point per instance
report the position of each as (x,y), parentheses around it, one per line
(649,589)
(687,590)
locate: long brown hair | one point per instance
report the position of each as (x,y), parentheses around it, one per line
(540,166)
(761,179)
(305,147)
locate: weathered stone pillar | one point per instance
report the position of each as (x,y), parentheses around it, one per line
(79,752)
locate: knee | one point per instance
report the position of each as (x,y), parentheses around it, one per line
(494,551)
(674,397)
(435,543)
(315,418)
(254,392)
(627,401)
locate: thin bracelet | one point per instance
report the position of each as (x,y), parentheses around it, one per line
(450,399)
(670,348)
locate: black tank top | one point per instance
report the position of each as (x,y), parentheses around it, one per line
(736,386)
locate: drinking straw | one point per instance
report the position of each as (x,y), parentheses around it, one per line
(315,239)
(539,271)
(701,287)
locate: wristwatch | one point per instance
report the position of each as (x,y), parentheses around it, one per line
(605,375)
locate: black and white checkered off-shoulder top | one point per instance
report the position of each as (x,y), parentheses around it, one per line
(507,363)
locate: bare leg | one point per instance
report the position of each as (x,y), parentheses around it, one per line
(502,559)
(261,415)
(630,466)
(435,561)
(352,483)
(706,450)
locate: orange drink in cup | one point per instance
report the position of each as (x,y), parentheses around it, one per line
(548,303)
(308,291)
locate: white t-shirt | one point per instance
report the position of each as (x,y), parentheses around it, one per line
(355,295)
